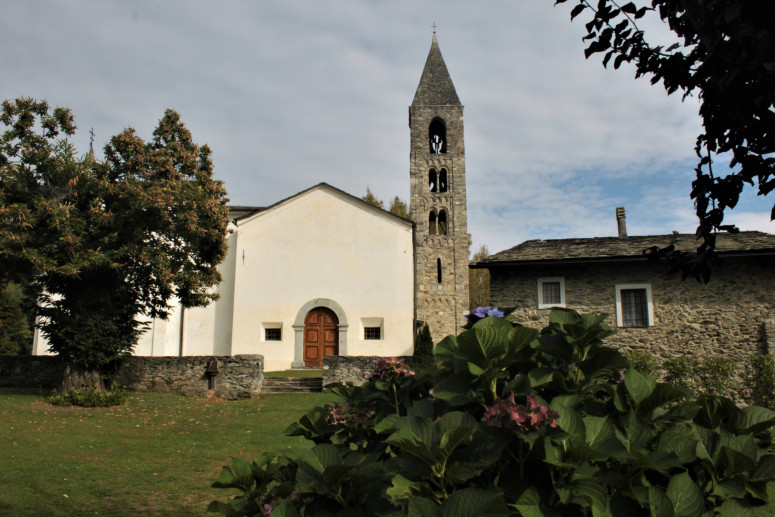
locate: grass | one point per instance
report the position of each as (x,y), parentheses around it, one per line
(306,372)
(156,455)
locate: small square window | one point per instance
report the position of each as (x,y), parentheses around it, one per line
(372,333)
(273,334)
(633,305)
(551,292)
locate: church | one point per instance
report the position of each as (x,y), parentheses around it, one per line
(325,273)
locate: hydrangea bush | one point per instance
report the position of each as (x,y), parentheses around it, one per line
(513,421)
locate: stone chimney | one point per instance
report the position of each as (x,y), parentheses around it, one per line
(621,221)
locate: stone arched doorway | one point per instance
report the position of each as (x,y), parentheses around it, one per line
(321,336)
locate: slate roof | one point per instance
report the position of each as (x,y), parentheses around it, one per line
(435,88)
(622,249)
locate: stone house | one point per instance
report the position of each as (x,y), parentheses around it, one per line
(652,310)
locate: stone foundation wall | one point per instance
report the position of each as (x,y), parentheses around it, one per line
(340,368)
(30,371)
(239,376)
(731,316)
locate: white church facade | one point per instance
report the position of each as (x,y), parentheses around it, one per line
(326,273)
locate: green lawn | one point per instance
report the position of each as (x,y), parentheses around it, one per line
(156,455)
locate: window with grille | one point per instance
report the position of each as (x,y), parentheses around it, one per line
(372,333)
(633,305)
(551,292)
(273,334)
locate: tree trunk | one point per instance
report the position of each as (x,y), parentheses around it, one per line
(82,379)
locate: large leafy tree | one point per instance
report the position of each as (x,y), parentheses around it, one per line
(107,244)
(725,54)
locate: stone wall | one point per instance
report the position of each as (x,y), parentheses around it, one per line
(340,368)
(239,376)
(730,316)
(30,371)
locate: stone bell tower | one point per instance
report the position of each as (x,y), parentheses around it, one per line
(438,199)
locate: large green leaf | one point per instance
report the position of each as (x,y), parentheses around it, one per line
(400,489)
(765,470)
(660,504)
(448,349)
(686,496)
(754,419)
(679,440)
(740,455)
(539,376)
(455,389)
(520,338)
(639,385)
(635,435)
(570,421)
(422,507)
(662,398)
(482,345)
(474,502)
(597,430)
(529,503)
(285,509)
(742,508)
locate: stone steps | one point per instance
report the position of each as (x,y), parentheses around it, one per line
(292,385)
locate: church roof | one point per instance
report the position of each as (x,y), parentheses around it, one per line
(435,88)
(251,211)
(619,249)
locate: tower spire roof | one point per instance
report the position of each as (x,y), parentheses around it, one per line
(435,88)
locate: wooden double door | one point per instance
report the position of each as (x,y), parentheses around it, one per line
(321,336)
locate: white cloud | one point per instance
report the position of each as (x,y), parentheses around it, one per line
(292,93)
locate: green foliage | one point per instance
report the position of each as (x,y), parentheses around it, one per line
(371,199)
(479,280)
(644,362)
(89,397)
(423,348)
(399,208)
(712,375)
(106,242)
(515,421)
(736,94)
(15,326)
(759,380)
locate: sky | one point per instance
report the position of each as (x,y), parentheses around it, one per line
(292,93)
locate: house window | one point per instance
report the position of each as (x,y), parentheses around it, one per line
(432,181)
(551,292)
(633,305)
(443,180)
(432,223)
(438,270)
(372,328)
(273,331)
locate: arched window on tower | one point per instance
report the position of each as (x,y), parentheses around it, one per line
(433,182)
(432,223)
(442,222)
(437,134)
(438,270)
(443,180)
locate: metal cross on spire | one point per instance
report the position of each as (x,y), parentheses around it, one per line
(434,26)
